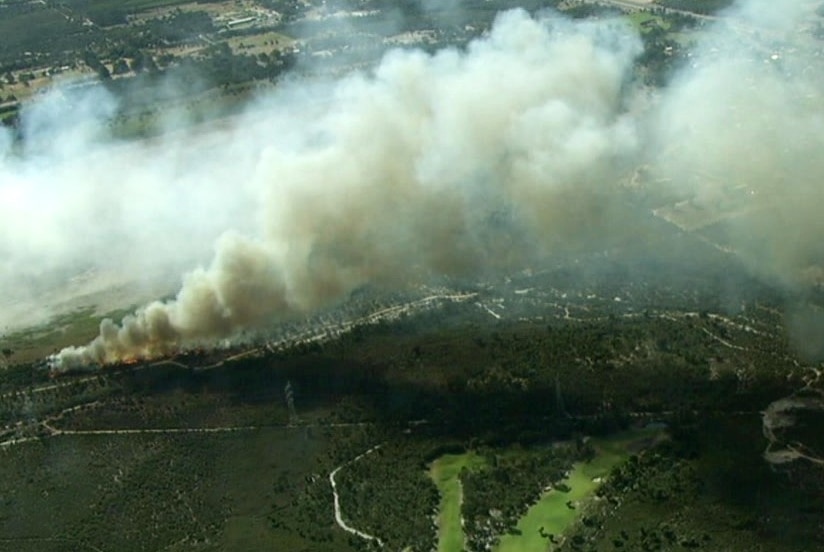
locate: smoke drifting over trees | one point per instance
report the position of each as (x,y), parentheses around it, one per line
(455,163)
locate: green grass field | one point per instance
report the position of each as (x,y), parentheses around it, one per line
(641,19)
(551,513)
(444,472)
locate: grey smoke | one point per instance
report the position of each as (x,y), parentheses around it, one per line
(454,163)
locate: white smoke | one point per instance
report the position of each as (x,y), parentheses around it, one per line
(397,174)
(75,202)
(459,162)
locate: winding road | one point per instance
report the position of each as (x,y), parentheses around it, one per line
(338,514)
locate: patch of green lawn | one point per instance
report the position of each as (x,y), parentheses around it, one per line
(642,20)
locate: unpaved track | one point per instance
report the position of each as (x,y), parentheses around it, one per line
(338,514)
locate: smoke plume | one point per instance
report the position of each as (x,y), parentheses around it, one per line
(459,162)
(740,130)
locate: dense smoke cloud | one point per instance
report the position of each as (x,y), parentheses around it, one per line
(399,174)
(459,162)
(740,131)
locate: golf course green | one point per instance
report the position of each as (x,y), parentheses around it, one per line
(556,511)
(444,472)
